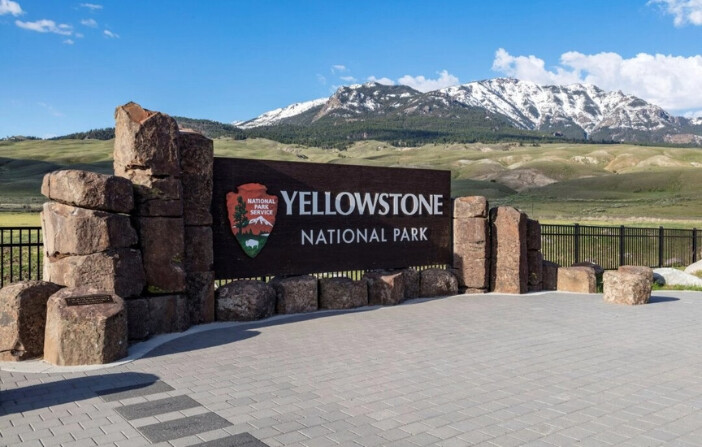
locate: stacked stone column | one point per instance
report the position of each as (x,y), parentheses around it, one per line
(535,260)
(508,234)
(471,243)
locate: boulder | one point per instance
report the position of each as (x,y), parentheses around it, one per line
(162,246)
(138,321)
(295,294)
(535,260)
(200,293)
(437,282)
(645,272)
(116,271)
(23,319)
(245,300)
(85,333)
(411,278)
(79,231)
(508,269)
(342,293)
(385,288)
(470,271)
(533,234)
(198,249)
(196,161)
(157,196)
(472,206)
(626,287)
(145,142)
(89,190)
(577,279)
(598,269)
(694,268)
(674,277)
(168,313)
(549,275)
(471,252)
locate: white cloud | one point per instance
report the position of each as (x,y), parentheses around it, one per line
(69,41)
(348,78)
(322,79)
(110,34)
(338,68)
(423,84)
(693,114)
(89,23)
(79,35)
(10,7)
(672,82)
(383,81)
(91,6)
(46,26)
(684,11)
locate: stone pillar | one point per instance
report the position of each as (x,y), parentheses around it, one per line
(471,248)
(508,264)
(535,259)
(147,153)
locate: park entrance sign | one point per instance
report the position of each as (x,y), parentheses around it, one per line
(287,218)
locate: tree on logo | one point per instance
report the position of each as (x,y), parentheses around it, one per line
(240,218)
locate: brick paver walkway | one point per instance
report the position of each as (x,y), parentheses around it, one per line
(542,370)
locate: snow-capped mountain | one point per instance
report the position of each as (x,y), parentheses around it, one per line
(578,111)
(260,220)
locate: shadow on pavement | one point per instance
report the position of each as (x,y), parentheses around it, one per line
(661,299)
(64,391)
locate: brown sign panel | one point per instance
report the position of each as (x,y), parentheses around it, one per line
(87,300)
(289,218)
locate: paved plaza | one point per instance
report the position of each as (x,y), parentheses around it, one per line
(540,370)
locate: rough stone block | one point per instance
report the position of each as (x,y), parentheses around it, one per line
(411,278)
(646,274)
(295,294)
(138,322)
(69,230)
(23,319)
(198,249)
(533,234)
(200,292)
(168,313)
(437,282)
(577,279)
(627,286)
(84,334)
(472,291)
(473,206)
(118,271)
(471,231)
(89,190)
(145,142)
(508,266)
(157,196)
(245,300)
(550,275)
(196,161)
(385,288)
(471,271)
(598,269)
(342,293)
(163,250)
(535,260)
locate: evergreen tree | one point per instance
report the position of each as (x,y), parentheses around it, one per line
(240,218)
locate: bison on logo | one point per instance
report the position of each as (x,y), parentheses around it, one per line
(251,216)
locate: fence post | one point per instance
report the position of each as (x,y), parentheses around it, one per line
(576,243)
(661,241)
(622,245)
(694,245)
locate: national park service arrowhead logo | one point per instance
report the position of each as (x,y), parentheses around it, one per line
(251,216)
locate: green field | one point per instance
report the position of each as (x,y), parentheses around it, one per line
(587,183)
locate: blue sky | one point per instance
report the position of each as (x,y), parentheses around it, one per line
(65,65)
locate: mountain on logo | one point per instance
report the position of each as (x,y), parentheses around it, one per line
(260,220)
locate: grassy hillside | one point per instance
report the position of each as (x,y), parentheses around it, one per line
(566,182)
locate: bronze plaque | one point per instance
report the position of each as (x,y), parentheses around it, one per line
(289,218)
(87,300)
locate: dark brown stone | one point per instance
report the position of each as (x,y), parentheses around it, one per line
(168,313)
(145,142)
(550,275)
(23,319)
(118,271)
(85,334)
(342,293)
(536,270)
(598,269)
(473,206)
(472,232)
(533,234)
(508,269)
(200,292)
(411,279)
(295,294)
(245,300)
(385,288)
(89,190)
(138,322)
(157,196)
(198,249)
(471,269)
(196,161)
(163,250)
(437,282)
(577,279)
(79,231)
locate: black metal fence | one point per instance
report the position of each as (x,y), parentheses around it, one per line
(611,247)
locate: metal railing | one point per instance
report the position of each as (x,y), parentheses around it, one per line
(21,254)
